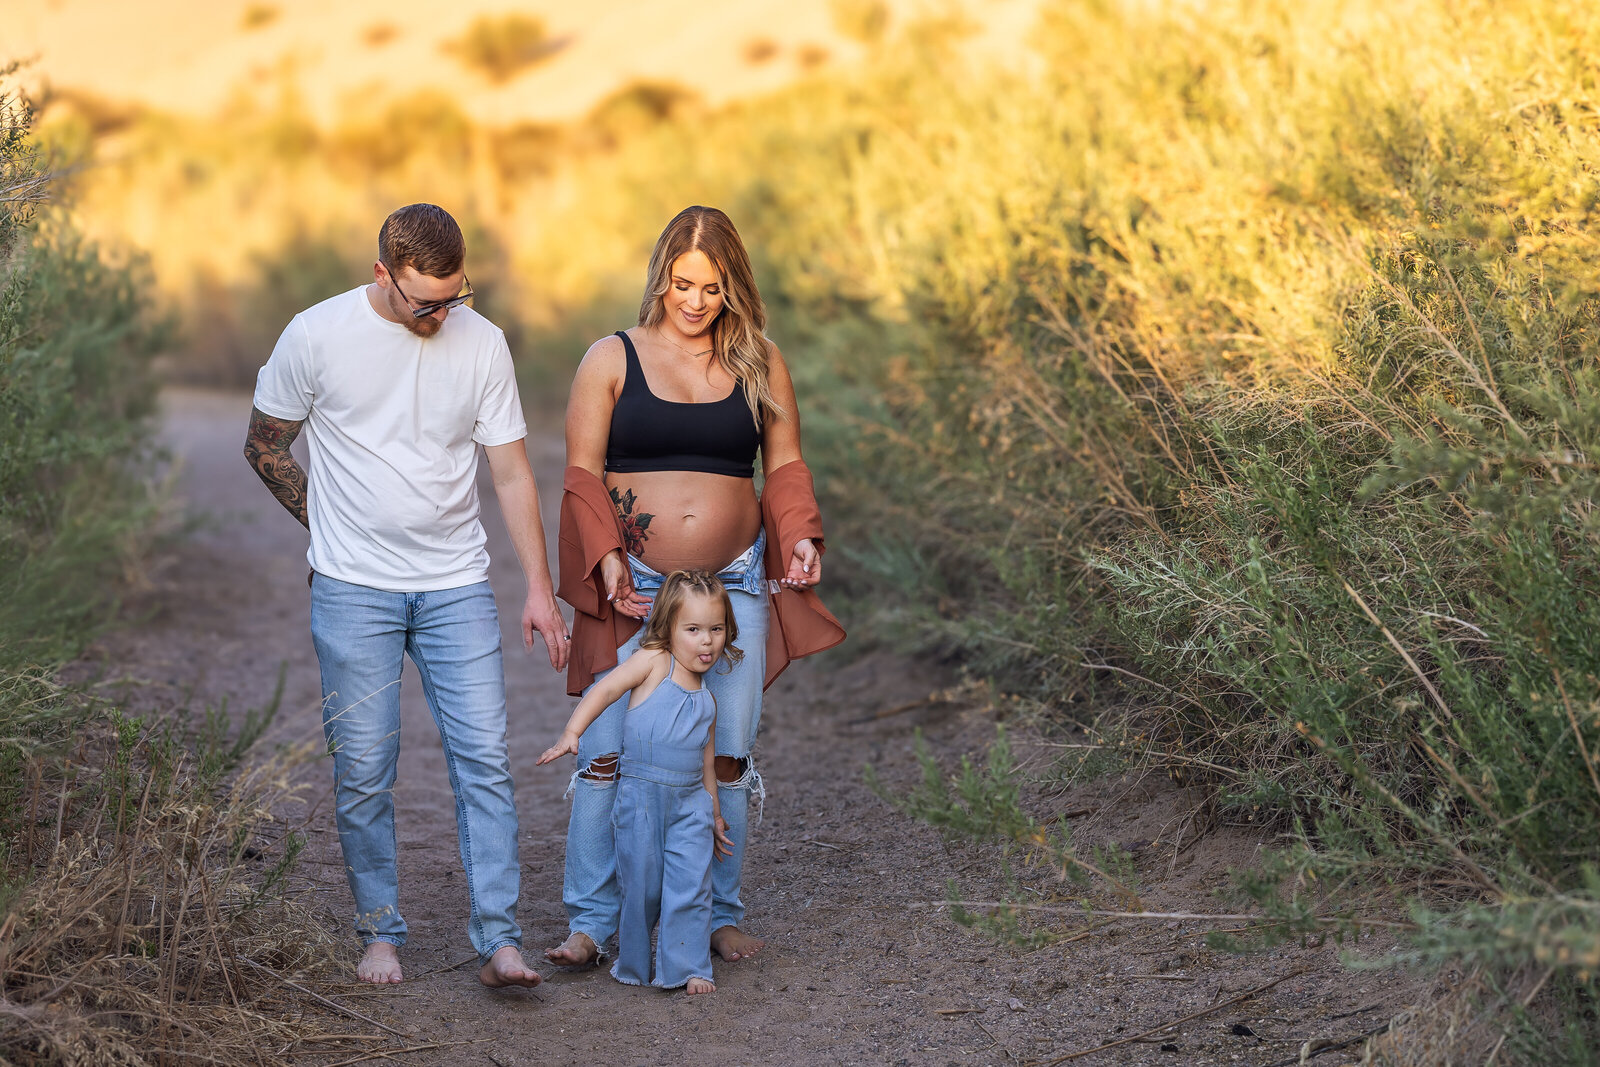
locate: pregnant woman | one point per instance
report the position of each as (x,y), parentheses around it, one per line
(664,424)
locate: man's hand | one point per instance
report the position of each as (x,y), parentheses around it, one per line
(539,612)
(805,565)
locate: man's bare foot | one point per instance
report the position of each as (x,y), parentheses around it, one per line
(700,985)
(380,964)
(578,950)
(731,943)
(506,968)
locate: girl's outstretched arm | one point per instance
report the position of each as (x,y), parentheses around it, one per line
(627,676)
(722,845)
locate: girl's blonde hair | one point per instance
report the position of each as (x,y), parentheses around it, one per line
(738,334)
(669,601)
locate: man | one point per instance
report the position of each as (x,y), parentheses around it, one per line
(397,382)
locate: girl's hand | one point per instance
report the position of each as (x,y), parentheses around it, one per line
(805,566)
(619,586)
(723,845)
(567,744)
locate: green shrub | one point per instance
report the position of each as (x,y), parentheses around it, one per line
(76,397)
(76,465)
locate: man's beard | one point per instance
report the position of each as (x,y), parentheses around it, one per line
(426,326)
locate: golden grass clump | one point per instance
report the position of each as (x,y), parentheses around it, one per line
(258,16)
(151,925)
(502,47)
(866,21)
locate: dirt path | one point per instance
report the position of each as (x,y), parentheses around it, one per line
(862,965)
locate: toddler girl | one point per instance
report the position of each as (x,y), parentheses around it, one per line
(666,816)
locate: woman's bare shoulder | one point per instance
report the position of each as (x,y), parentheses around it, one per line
(778,377)
(606,350)
(604,363)
(775,357)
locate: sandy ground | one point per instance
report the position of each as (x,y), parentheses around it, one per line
(862,964)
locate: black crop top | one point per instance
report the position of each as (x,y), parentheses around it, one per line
(651,434)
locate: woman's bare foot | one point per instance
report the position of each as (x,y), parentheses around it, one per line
(380,964)
(578,950)
(700,985)
(731,943)
(506,968)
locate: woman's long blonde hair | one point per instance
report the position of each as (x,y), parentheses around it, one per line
(738,334)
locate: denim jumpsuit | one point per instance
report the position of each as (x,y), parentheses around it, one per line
(590,889)
(664,834)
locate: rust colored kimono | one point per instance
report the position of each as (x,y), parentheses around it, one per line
(590,528)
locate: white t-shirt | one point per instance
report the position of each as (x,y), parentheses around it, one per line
(392,420)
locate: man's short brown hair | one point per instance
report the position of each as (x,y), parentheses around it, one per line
(423,237)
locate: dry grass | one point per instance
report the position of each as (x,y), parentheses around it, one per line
(151,924)
(1464,1020)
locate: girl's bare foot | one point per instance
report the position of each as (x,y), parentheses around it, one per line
(578,950)
(506,968)
(700,985)
(380,964)
(731,943)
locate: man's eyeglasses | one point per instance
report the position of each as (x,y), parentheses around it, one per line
(438,305)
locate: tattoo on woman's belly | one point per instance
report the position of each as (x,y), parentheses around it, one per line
(690,527)
(635,524)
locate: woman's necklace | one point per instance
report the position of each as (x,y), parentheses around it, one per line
(684,351)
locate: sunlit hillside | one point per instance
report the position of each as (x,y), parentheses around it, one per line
(248,150)
(194,57)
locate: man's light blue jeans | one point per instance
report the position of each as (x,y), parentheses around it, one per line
(453,637)
(590,891)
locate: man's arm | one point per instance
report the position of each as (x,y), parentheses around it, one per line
(519,503)
(266,446)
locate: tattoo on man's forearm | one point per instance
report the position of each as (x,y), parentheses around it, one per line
(267,449)
(635,525)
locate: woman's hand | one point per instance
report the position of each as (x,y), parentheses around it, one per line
(805,566)
(567,745)
(619,586)
(723,846)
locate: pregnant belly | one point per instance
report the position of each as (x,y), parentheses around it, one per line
(686,520)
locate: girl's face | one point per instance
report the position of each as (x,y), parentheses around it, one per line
(699,632)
